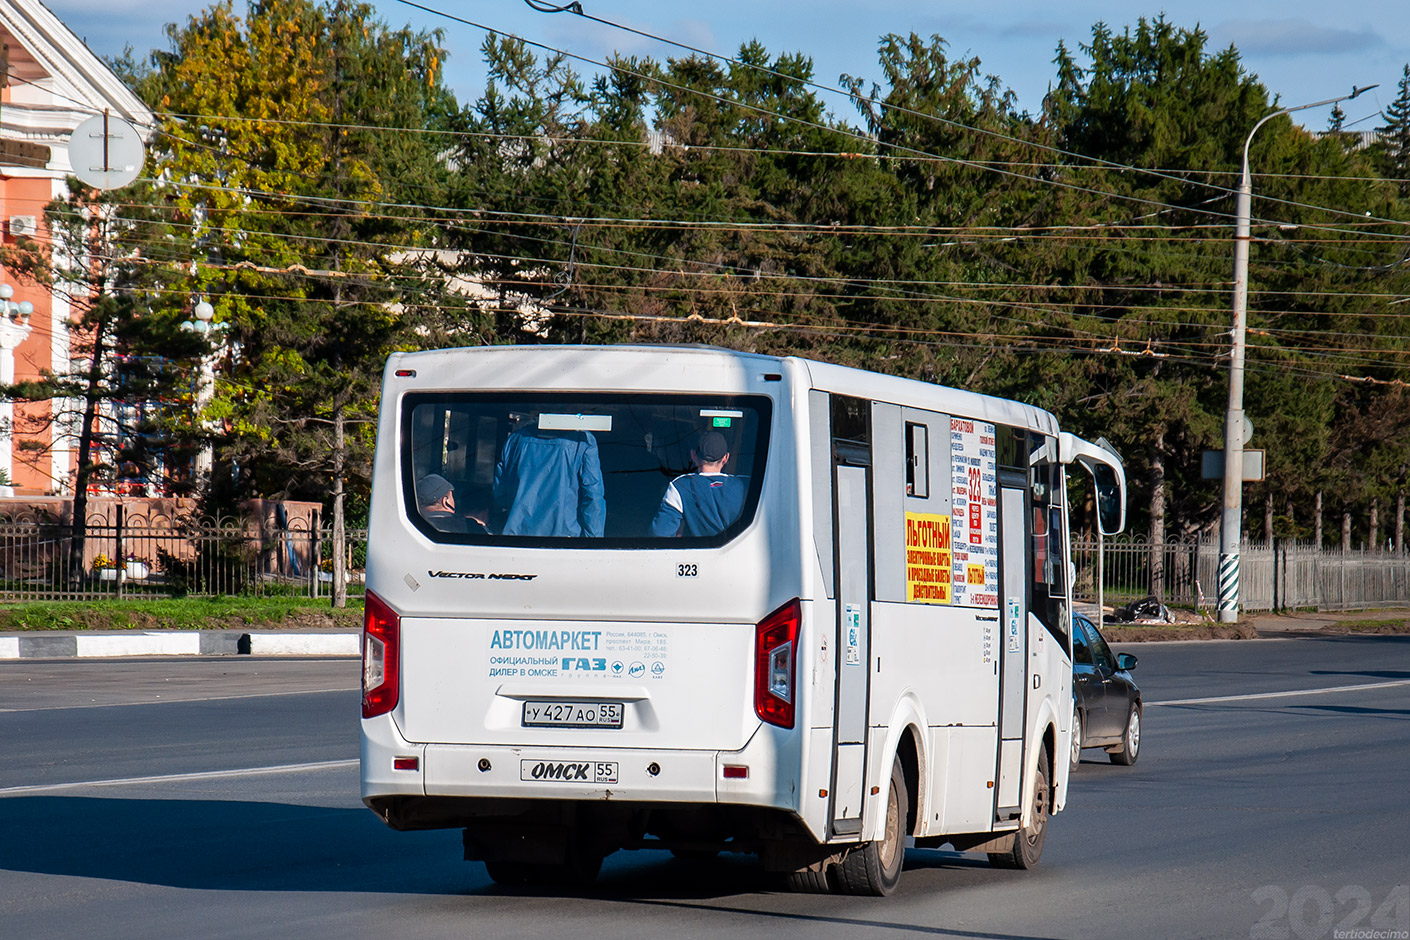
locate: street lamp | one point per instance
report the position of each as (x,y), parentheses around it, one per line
(1232,523)
(204,313)
(17,312)
(204,379)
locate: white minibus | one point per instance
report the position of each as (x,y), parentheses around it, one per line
(686,598)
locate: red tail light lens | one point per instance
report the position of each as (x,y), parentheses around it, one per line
(776,664)
(381,645)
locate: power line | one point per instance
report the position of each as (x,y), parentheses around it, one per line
(736,270)
(1173,173)
(1079,310)
(894,285)
(576,8)
(843,132)
(1035,340)
(1096,230)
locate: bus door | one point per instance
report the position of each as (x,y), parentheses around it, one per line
(1013,647)
(852,523)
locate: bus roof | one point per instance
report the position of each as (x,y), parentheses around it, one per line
(843,380)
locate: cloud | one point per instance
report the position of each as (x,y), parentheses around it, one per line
(1293,38)
(1030,29)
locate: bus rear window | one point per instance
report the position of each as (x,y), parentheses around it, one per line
(583,470)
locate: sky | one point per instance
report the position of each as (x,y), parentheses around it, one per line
(1302,50)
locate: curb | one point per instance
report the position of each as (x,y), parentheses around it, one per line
(168,643)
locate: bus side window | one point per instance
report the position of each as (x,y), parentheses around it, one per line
(1049,549)
(917,460)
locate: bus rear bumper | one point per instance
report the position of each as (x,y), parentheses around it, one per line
(573,773)
(747,777)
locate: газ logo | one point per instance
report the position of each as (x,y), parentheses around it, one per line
(480,576)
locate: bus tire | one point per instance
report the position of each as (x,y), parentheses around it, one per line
(874,868)
(809,881)
(1028,841)
(1130,747)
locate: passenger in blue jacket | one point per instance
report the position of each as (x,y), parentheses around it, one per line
(551,483)
(702,503)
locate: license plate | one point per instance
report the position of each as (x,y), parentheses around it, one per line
(568,771)
(561,714)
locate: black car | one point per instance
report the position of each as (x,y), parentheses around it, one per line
(1106,702)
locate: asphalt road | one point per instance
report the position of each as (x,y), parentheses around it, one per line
(1258,814)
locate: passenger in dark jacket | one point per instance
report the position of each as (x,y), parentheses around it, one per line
(706,502)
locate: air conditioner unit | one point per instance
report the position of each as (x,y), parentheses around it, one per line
(22,226)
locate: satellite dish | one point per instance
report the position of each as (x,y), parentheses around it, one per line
(106,152)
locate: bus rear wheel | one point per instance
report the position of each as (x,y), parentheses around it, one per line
(1028,841)
(874,868)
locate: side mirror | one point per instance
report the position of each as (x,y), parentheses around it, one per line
(1111,500)
(1108,478)
(1125,662)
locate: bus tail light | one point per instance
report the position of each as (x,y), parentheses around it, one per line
(775,664)
(381,642)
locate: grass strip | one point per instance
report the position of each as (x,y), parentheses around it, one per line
(1389,627)
(1138,633)
(189,613)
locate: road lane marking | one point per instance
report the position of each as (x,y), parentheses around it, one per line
(1292,692)
(177,701)
(177,778)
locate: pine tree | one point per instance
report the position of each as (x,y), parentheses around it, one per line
(1393,148)
(1336,120)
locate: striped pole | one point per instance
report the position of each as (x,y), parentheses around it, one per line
(1228,587)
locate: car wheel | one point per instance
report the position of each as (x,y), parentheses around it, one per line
(875,868)
(1028,841)
(1130,747)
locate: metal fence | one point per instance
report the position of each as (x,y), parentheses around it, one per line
(123,555)
(1277,576)
(126,555)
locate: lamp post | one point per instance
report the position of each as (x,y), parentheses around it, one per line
(1232,522)
(203,313)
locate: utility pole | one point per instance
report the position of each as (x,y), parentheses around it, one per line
(1232,523)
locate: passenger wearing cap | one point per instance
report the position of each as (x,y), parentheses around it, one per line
(706,502)
(435,497)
